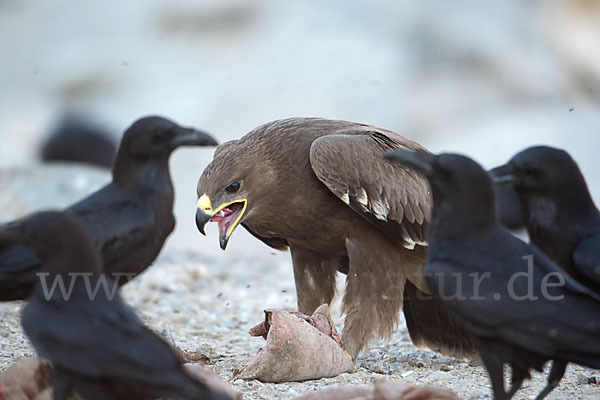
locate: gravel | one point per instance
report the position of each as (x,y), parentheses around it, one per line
(205,306)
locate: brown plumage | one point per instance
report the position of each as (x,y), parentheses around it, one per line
(321,188)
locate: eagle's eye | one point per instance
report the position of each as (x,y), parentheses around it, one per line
(233,187)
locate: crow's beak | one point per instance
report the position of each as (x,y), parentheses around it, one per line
(193,137)
(504,175)
(420,161)
(10,231)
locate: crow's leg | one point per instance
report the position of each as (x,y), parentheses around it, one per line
(556,373)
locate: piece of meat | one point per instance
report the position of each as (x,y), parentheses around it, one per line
(398,390)
(28,376)
(298,348)
(338,393)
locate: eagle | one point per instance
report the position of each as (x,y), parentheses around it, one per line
(321,189)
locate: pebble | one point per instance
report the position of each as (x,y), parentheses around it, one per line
(586,379)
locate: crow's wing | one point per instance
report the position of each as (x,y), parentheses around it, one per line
(100,339)
(117,222)
(561,319)
(18,265)
(587,258)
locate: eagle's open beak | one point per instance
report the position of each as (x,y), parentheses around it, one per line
(227,216)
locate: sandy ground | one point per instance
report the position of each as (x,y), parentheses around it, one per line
(205,306)
(204,301)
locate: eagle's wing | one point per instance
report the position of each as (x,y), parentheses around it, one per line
(398,201)
(394,198)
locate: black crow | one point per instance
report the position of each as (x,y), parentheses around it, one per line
(129,219)
(509,207)
(520,306)
(77,139)
(96,344)
(560,215)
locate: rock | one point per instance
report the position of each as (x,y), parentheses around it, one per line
(586,379)
(296,350)
(380,367)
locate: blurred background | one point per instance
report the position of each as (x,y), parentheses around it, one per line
(485,78)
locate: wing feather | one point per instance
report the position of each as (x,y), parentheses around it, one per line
(394,198)
(112,336)
(18,265)
(117,225)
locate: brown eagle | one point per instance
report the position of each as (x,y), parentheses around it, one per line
(320,188)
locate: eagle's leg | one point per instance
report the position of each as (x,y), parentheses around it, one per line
(373,296)
(315,276)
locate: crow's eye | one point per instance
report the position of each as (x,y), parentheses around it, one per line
(233,187)
(530,172)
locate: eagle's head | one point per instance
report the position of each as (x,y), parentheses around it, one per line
(232,188)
